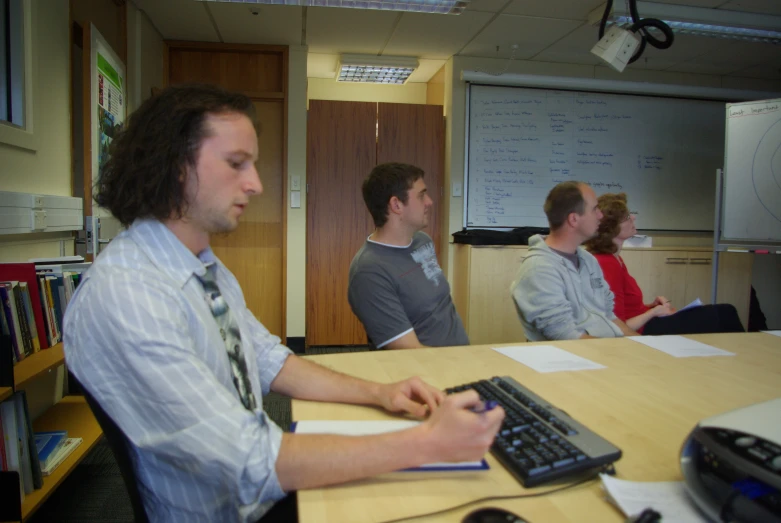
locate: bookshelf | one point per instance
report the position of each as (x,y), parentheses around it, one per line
(38,364)
(71,413)
(74,415)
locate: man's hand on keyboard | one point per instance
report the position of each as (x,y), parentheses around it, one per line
(455,433)
(413,396)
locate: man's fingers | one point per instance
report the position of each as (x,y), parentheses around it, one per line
(407,405)
(465,400)
(422,391)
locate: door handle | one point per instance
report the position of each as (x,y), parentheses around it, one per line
(676,261)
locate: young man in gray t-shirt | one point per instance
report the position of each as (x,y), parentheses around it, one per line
(396,287)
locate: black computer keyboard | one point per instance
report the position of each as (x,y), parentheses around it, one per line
(537,442)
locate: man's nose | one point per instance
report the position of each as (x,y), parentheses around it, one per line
(253,184)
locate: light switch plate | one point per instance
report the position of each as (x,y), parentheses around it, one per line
(295,199)
(295,182)
(456,189)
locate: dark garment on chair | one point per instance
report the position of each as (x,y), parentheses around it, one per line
(698,320)
(120,446)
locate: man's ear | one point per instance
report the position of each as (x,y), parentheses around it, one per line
(572,219)
(394,205)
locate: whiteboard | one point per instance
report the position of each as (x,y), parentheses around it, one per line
(752,173)
(662,152)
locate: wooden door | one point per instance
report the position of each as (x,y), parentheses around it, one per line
(341,151)
(255,251)
(415,134)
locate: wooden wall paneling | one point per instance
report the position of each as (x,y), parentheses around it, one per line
(341,151)
(415,134)
(194,66)
(255,251)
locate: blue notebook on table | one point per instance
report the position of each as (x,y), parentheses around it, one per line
(369,427)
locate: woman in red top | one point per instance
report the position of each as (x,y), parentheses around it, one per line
(657,317)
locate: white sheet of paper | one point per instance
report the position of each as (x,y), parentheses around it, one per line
(679,346)
(369,427)
(547,358)
(669,498)
(696,303)
(774,333)
(639,240)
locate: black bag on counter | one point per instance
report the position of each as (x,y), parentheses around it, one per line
(517,236)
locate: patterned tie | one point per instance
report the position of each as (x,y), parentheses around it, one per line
(229,330)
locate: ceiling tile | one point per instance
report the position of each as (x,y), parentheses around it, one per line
(180,19)
(321,65)
(530,33)
(742,54)
(490,6)
(769,71)
(702,68)
(573,48)
(769,7)
(434,36)
(279,25)
(565,9)
(335,30)
(652,63)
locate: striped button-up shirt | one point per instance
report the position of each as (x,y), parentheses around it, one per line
(141,338)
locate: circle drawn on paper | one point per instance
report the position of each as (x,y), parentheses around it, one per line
(766,171)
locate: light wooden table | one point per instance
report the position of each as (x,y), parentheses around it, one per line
(645,402)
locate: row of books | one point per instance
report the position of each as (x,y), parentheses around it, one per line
(33,299)
(33,455)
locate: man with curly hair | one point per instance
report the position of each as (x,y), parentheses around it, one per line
(159,334)
(561,293)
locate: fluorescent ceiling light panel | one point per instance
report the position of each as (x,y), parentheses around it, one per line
(392,70)
(446,7)
(718,23)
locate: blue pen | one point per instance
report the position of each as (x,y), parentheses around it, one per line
(486,406)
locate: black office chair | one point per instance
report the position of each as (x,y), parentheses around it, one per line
(120,446)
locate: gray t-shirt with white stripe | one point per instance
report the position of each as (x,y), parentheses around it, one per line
(394,290)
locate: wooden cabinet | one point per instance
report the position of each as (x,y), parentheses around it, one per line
(683,276)
(481,292)
(483,275)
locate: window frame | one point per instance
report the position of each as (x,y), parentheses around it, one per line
(24,136)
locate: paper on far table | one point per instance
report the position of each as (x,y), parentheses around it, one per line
(669,498)
(679,346)
(369,427)
(639,240)
(774,333)
(547,358)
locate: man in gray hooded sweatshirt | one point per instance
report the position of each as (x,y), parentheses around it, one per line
(561,293)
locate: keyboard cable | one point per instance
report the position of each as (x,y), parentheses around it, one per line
(607,469)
